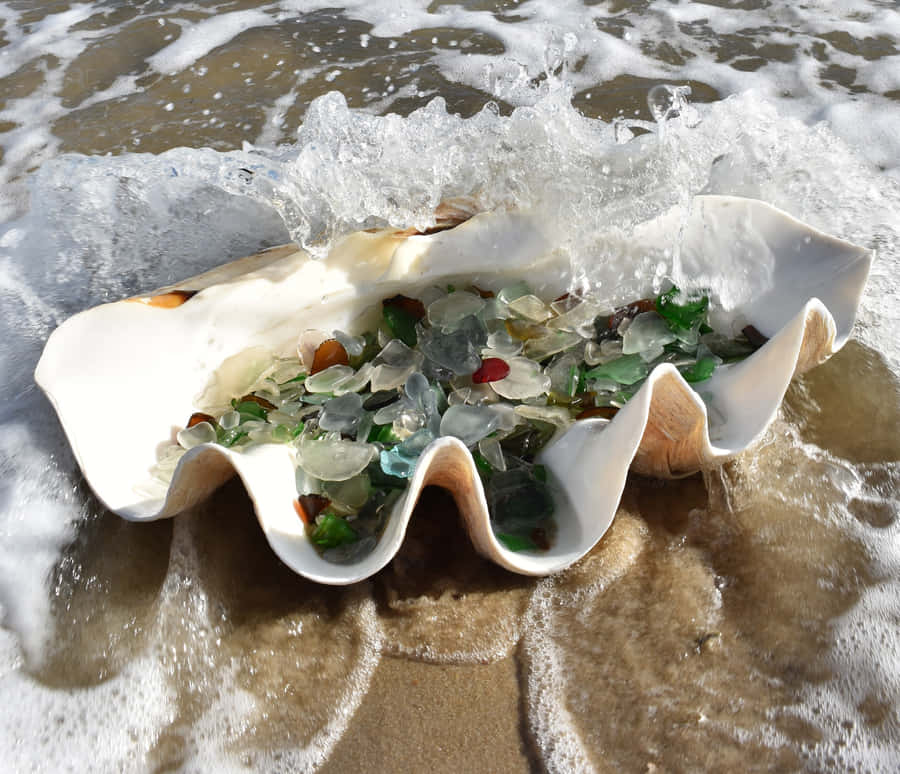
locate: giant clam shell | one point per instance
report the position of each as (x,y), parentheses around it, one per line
(151,362)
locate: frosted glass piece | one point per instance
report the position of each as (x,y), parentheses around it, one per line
(333,459)
(468,423)
(526,379)
(449,311)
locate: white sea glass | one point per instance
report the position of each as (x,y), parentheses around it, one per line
(526,379)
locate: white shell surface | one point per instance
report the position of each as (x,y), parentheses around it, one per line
(146,366)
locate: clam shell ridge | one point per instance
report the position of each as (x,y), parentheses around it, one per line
(153,361)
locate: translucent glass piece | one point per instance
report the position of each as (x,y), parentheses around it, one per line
(512,292)
(306,484)
(473,394)
(333,459)
(530,308)
(282,434)
(229,420)
(526,379)
(396,353)
(394,463)
(652,353)
(352,493)
(704,351)
(449,311)
(627,369)
(605,352)
(282,418)
(453,351)
(502,345)
(563,373)
(407,422)
(554,415)
(261,434)
(415,388)
(329,379)
(566,303)
(579,319)
(202,432)
(475,331)
(494,309)
(387,414)
(356,382)
(725,346)
(353,344)
(593,354)
(342,414)
(604,385)
(647,332)
(389,377)
(523,329)
(492,451)
(507,419)
(468,423)
(317,399)
(431,294)
(688,338)
(365,426)
(538,349)
(416,443)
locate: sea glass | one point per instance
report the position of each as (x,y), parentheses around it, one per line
(453,351)
(332,459)
(648,332)
(530,307)
(395,463)
(328,379)
(449,311)
(202,432)
(627,369)
(526,379)
(342,414)
(468,423)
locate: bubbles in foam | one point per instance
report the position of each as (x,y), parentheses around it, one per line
(37,520)
(58,730)
(561,748)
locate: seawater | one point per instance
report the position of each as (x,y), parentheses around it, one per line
(744,620)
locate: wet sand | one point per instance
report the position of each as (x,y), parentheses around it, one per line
(429,717)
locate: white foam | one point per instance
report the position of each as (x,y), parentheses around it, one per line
(38,520)
(864,652)
(199,38)
(53,34)
(560,746)
(109,727)
(233,711)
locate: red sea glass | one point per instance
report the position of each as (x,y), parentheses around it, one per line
(493,369)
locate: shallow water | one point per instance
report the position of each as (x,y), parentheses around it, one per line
(745,620)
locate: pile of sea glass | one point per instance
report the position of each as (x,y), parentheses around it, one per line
(503,373)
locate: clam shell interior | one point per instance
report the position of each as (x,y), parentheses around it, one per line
(145,361)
